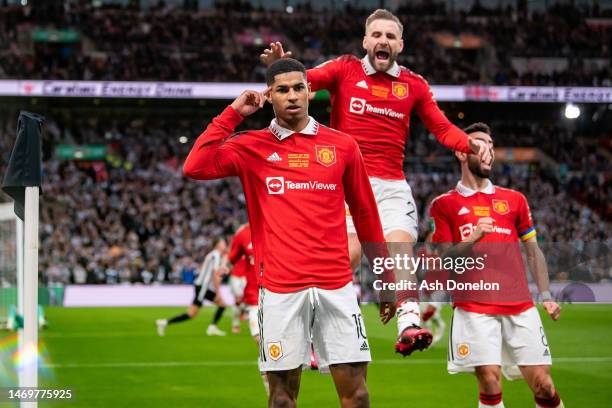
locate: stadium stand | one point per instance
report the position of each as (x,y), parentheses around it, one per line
(565,45)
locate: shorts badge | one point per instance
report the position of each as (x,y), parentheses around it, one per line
(275,350)
(463,350)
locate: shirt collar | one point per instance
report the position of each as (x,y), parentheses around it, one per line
(282,133)
(467,192)
(394,71)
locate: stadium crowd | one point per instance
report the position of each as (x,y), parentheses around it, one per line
(135,218)
(222,43)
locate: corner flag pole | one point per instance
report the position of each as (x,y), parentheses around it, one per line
(20,296)
(29,348)
(22,182)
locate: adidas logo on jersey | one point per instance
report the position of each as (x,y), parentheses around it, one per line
(274,157)
(364,346)
(362,84)
(462,211)
(546,353)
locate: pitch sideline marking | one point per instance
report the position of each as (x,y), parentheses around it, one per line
(146,364)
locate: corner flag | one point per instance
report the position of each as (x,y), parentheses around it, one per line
(24,167)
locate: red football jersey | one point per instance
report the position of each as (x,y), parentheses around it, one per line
(238,251)
(241,253)
(295,186)
(375,107)
(454,216)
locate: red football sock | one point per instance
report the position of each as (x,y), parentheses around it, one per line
(490,399)
(552,402)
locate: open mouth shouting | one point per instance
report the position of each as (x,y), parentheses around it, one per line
(382,56)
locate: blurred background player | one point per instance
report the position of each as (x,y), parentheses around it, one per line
(502,328)
(206,286)
(372,99)
(432,301)
(241,252)
(297,219)
(238,256)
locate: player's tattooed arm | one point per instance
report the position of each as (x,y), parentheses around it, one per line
(464,248)
(536,261)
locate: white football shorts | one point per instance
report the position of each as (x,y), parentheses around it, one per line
(477,339)
(329,319)
(396,207)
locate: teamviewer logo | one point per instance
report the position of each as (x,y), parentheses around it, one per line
(276,185)
(357,105)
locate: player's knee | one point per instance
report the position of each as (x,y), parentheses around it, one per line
(279,399)
(543,386)
(490,381)
(359,399)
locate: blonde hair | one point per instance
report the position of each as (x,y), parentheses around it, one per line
(382,14)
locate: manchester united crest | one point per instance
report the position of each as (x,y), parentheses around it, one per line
(399,89)
(501,207)
(463,350)
(275,350)
(326,155)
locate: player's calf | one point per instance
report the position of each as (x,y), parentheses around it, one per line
(489,379)
(489,384)
(284,388)
(541,383)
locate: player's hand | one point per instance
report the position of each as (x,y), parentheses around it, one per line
(480,148)
(274,53)
(249,102)
(552,308)
(484,227)
(387,311)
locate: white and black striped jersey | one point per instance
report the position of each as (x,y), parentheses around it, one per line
(211,263)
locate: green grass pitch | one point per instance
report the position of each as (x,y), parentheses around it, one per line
(112,357)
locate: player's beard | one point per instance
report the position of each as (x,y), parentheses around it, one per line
(475,167)
(389,63)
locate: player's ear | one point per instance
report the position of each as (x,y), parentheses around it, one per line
(401,44)
(365,42)
(268,94)
(461,156)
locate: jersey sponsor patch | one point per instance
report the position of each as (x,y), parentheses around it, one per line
(482,210)
(465,230)
(357,105)
(276,185)
(275,350)
(326,155)
(298,160)
(501,207)
(380,91)
(399,90)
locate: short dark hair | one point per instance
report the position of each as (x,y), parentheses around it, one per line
(283,66)
(478,127)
